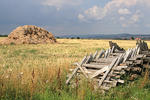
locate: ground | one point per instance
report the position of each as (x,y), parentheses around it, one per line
(38,72)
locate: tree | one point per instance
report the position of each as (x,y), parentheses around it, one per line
(132,38)
(78,37)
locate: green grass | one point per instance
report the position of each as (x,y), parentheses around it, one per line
(38,72)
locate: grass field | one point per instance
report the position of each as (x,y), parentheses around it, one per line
(38,72)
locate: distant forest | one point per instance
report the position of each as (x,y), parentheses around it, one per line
(103,36)
(3,35)
(108,36)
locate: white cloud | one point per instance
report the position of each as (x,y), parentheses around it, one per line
(133,19)
(98,13)
(95,13)
(60,3)
(81,17)
(124,11)
(113,6)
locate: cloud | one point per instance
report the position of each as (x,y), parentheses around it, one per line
(81,17)
(133,19)
(95,13)
(121,7)
(98,13)
(124,11)
(60,3)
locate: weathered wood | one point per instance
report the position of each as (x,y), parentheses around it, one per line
(106,53)
(107,67)
(86,70)
(121,72)
(100,54)
(90,57)
(107,72)
(120,67)
(138,62)
(73,73)
(120,81)
(138,51)
(94,66)
(75,70)
(99,72)
(82,70)
(120,59)
(104,60)
(112,50)
(105,88)
(83,60)
(128,55)
(94,56)
(109,52)
(135,51)
(111,44)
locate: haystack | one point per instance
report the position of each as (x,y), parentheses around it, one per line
(29,34)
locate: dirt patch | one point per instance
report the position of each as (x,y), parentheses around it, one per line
(29,34)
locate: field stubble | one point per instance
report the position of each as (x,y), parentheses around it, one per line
(39,71)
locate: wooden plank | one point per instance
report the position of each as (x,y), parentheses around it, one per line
(138,51)
(109,52)
(128,54)
(101,63)
(111,44)
(86,70)
(140,56)
(94,56)
(99,72)
(104,60)
(113,49)
(115,76)
(100,54)
(121,72)
(119,51)
(83,60)
(90,57)
(75,71)
(133,53)
(107,72)
(120,67)
(118,80)
(105,88)
(106,53)
(94,66)
(82,70)
(120,59)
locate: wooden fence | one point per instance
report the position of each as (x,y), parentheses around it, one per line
(107,67)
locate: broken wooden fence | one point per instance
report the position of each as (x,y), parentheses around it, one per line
(108,66)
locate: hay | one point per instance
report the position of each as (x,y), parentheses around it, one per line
(29,34)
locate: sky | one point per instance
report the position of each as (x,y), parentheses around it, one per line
(77,16)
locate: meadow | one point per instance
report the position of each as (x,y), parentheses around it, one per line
(38,72)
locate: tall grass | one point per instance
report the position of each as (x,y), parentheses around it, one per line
(38,72)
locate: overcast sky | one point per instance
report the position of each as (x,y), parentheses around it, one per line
(77,16)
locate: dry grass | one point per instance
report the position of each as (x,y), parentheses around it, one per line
(31,68)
